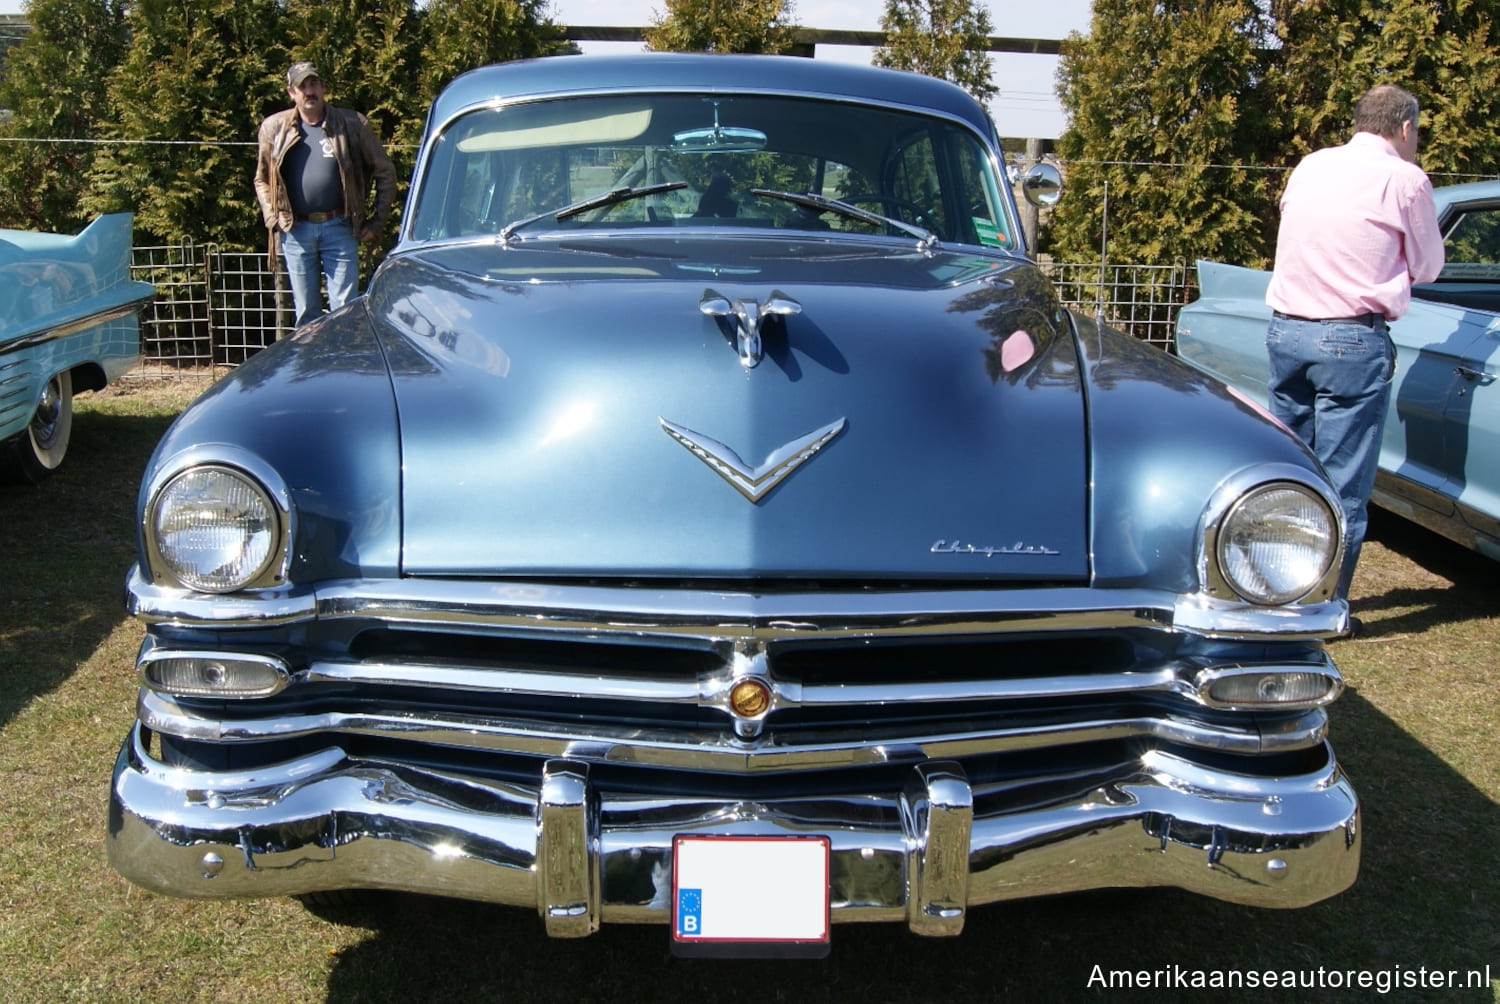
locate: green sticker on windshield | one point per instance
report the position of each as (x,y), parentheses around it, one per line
(989,234)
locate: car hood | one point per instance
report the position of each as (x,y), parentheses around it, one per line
(570,408)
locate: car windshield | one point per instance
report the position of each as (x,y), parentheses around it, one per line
(679,160)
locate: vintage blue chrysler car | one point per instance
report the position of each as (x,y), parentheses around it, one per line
(68,322)
(711,517)
(1440,451)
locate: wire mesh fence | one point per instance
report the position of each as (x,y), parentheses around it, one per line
(214,308)
(1141,300)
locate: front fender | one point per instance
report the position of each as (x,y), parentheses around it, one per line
(317,408)
(1164,437)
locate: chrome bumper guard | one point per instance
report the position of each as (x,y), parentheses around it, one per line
(581,857)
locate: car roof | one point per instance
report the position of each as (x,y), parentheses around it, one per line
(1474,191)
(723,73)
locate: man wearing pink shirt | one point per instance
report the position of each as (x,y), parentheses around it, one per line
(1357,229)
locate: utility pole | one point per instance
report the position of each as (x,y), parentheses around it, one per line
(1030,214)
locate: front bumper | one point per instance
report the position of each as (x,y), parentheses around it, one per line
(581,855)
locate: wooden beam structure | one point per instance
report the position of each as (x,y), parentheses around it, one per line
(806,40)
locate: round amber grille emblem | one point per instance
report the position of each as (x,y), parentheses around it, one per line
(750,698)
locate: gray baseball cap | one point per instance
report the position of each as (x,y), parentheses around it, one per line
(300,72)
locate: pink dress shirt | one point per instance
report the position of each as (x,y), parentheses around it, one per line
(1357,229)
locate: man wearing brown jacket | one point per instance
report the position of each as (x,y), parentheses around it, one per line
(312,177)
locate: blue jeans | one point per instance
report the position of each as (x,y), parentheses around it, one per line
(1331,385)
(315,251)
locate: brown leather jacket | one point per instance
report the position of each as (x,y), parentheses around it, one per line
(361,158)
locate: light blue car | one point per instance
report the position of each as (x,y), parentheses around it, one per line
(68,322)
(1440,455)
(711,517)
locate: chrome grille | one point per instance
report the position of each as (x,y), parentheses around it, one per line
(645,675)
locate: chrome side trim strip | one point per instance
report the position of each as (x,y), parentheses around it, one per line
(647,612)
(721,749)
(74,325)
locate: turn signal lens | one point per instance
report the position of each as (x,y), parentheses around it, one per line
(189,675)
(1258,689)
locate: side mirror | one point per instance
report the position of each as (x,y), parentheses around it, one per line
(1042,185)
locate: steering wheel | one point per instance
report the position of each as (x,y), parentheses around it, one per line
(900,209)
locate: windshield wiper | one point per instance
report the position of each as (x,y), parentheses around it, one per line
(610,198)
(926,239)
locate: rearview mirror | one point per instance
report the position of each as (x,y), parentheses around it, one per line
(718,138)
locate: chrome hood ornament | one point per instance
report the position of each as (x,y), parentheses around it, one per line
(753,482)
(748,316)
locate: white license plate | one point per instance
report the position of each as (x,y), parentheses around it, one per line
(749,890)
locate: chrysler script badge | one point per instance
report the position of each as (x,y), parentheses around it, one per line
(753,482)
(990,550)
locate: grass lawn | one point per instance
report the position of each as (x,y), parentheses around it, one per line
(1416,731)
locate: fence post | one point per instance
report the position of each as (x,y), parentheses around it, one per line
(282,308)
(1030,214)
(211,302)
(1103,254)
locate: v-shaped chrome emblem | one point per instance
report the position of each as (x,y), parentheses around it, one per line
(753,482)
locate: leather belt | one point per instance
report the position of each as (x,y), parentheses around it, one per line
(1364,320)
(332,214)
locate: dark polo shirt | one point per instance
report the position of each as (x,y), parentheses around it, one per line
(311,172)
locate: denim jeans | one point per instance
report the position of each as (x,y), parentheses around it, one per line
(315,251)
(1331,385)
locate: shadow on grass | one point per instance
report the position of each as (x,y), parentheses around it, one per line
(1426,897)
(1468,593)
(65,546)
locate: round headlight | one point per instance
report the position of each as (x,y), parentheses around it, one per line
(215,529)
(1277,543)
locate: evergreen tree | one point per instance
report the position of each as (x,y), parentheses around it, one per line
(1446,53)
(464,34)
(192,85)
(55,85)
(941,38)
(1194,111)
(369,53)
(756,26)
(1164,100)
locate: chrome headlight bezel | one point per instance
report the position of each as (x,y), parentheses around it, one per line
(233,467)
(1237,497)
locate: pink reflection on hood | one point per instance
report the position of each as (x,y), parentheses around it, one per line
(1016,351)
(1260,409)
